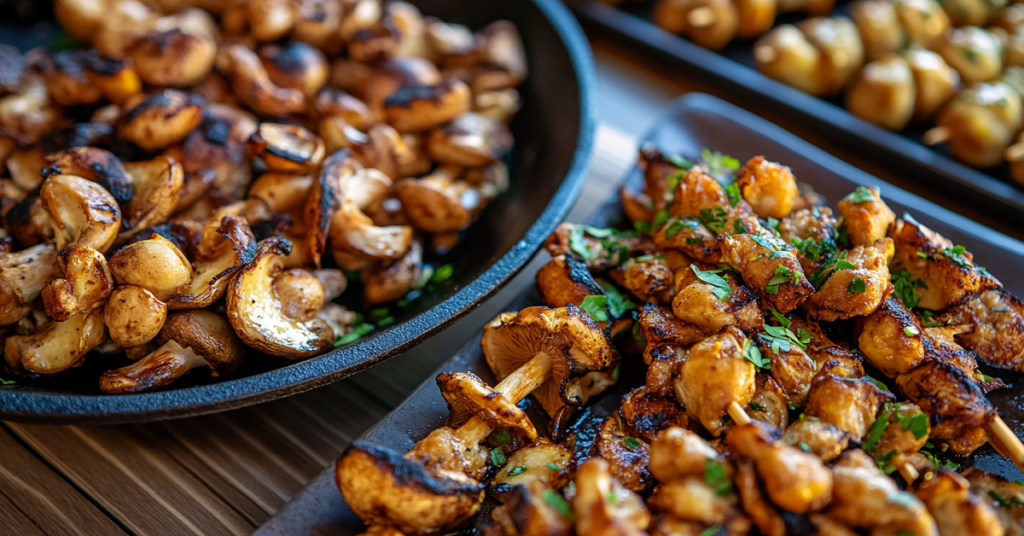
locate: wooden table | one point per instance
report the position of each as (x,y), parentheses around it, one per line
(228,473)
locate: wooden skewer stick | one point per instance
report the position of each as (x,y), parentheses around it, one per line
(908,472)
(1014,153)
(738,414)
(935,135)
(1006,442)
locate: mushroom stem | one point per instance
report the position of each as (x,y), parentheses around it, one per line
(515,387)
(1006,442)
(738,414)
(158,369)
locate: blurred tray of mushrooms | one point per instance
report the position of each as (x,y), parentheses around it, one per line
(785,368)
(197,177)
(947,73)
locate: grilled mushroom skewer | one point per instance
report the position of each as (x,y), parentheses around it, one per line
(435,486)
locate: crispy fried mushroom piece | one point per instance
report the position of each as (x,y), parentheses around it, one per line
(603,506)
(155,264)
(627,456)
(468,396)
(526,512)
(57,346)
(96,165)
(864,497)
(252,84)
(258,314)
(996,319)
(179,56)
(81,212)
(471,140)
(157,183)
(221,252)
(865,216)
(84,285)
(388,281)
(23,275)
(769,187)
(416,108)
(160,119)
(858,287)
(714,375)
(133,316)
(541,462)
(286,148)
(190,340)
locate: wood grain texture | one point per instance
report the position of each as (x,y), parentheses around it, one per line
(44,498)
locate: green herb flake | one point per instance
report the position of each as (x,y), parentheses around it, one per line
(719,285)
(857,285)
(694,240)
(713,530)
(911,331)
(838,262)
(498,456)
(756,406)
(876,431)
(557,501)
(956,254)
(716,477)
(773,224)
(753,354)
(442,273)
(553,466)
(600,233)
(860,195)
(357,333)
(905,288)
(501,436)
(733,191)
(578,244)
(781,275)
(781,319)
(714,218)
(618,303)
(631,442)
(517,470)
(719,163)
(922,254)
(805,447)
(5,383)
(595,306)
(681,161)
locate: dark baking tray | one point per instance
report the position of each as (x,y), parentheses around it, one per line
(554,134)
(991,189)
(691,123)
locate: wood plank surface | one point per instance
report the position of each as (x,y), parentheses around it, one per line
(226,474)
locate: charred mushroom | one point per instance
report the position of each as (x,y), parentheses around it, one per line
(221,252)
(23,275)
(286,148)
(161,119)
(156,265)
(133,316)
(84,285)
(56,347)
(81,212)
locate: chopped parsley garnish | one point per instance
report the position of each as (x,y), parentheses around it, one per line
(857,285)
(876,431)
(553,467)
(956,254)
(498,456)
(719,285)
(813,249)
(860,195)
(618,303)
(998,309)
(642,226)
(357,333)
(781,275)
(631,442)
(719,164)
(773,224)
(694,240)
(714,219)
(557,501)
(756,406)
(753,354)
(5,383)
(676,226)
(501,436)
(842,236)
(911,331)
(713,530)
(884,464)
(611,498)
(773,244)
(781,319)
(596,306)
(922,254)
(733,191)
(927,316)
(739,228)
(517,470)
(578,244)
(716,477)
(1003,501)
(442,273)
(659,219)
(942,464)
(837,263)
(600,233)
(780,338)
(904,288)
(681,161)
(638,335)
(877,383)
(917,424)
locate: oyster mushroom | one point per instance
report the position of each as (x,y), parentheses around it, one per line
(471,140)
(339,104)
(22,278)
(156,265)
(323,201)
(224,248)
(160,119)
(415,108)
(259,315)
(133,316)
(191,340)
(96,165)
(157,183)
(84,285)
(568,339)
(56,347)
(286,148)
(81,212)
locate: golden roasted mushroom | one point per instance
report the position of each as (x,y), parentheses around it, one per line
(388,281)
(81,212)
(133,316)
(437,204)
(156,183)
(190,340)
(714,376)
(23,275)
(160,119)
(252,84)
(84,285)
(295,65)
(468,396)
(865,215)
(471,140)
(286,148)
(179,53)
(258,312)
(417,108)
(884,92)
(769,187)
(223,249)
(57,346)
(603,507)
(542,462)
(96,165)
(155,264)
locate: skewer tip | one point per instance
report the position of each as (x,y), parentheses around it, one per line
(738,414)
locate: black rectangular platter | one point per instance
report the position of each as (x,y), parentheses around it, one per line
(693,122)
(933,167)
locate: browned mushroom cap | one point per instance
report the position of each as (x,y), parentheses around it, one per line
(123,23)
(390,280)
(57,346)
(567,335)
(25,166)
(337,103)
(219,143)
(295,65)
(286,148)
(414,108)
(603,505)
(502,58)
(27,221)
(472,140)
(275,193)
(80,18)
(252,85)
(85,284)
(323,201)
(81,212)
(29,114)
(221,252)
(156,265)
(383,487)
(179,56)
(391,75)
(269,20)
(436,204)
(382,148)
(94,164)
(117,78)
(22,278)
(158,120)
(191,339)
(133,316)
(564,280)
(66,79)
(258,314)
(468,396)
(543,462)
(157,183)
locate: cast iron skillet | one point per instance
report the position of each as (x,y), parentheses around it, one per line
(554,134)
(691,123)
